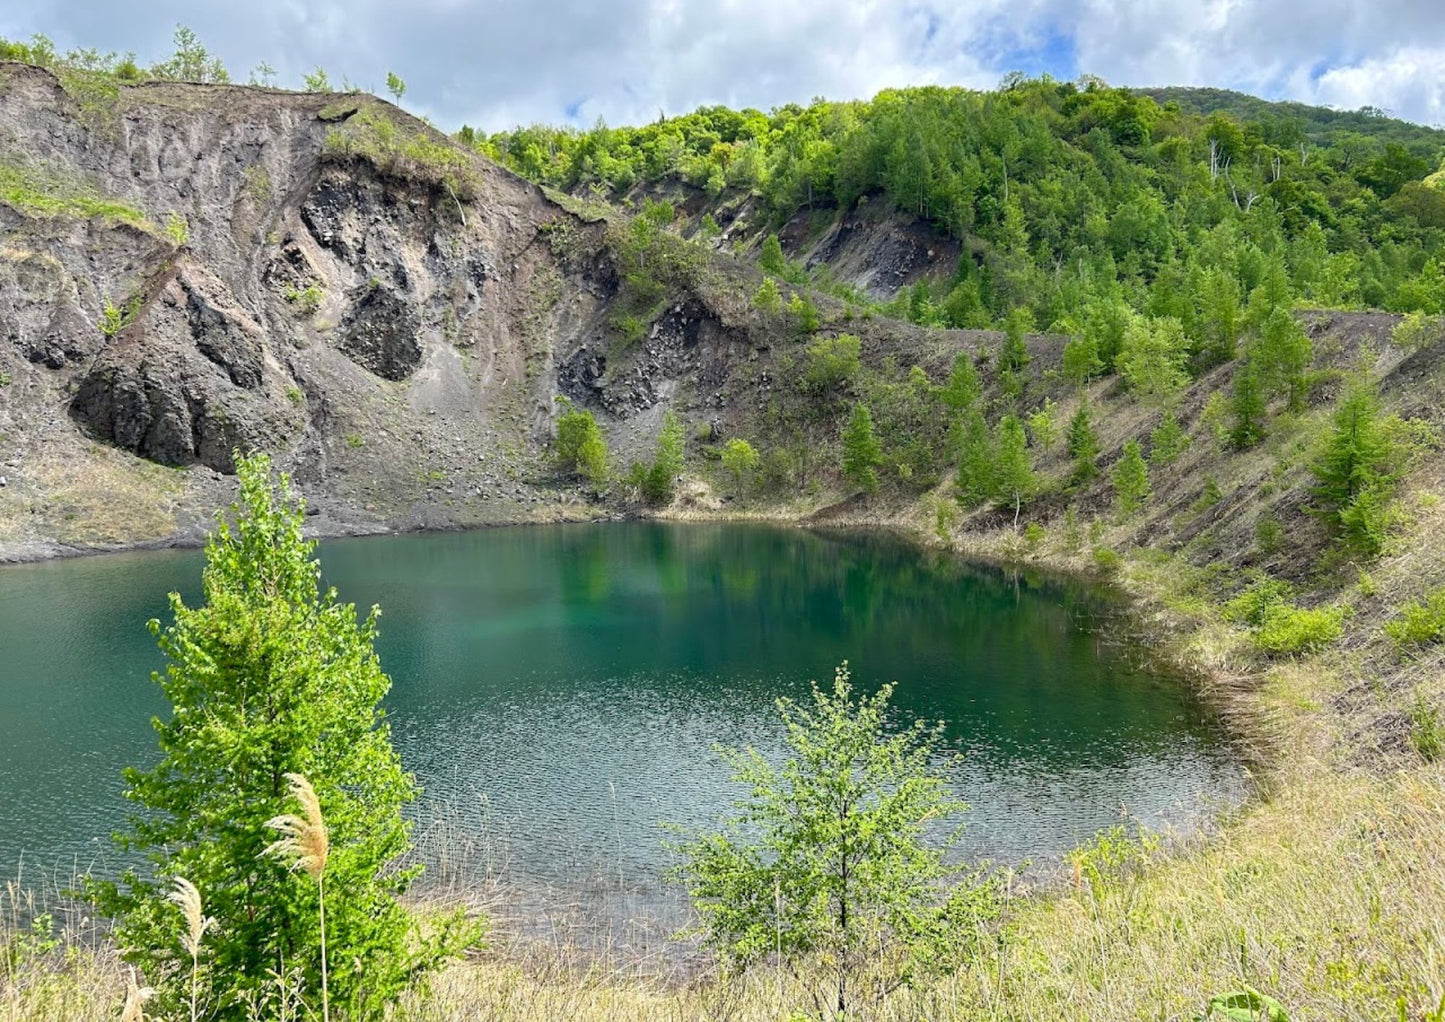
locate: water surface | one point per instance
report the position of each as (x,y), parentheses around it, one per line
(559,690)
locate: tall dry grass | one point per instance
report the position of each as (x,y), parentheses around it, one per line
(305,844)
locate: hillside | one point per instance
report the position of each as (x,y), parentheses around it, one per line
(1075,340)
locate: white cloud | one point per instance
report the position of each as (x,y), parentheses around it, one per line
(496,63)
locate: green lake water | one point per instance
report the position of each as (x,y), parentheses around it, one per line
(559,690)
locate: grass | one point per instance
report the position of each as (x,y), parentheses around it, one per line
(407,151)
(42,193)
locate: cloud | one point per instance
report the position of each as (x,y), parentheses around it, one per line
(494,63)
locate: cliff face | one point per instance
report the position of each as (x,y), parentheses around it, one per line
(186,270)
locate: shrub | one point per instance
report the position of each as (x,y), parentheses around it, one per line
(862,454)
(580,447)
(1107,561)
(177,229)
(828,859)
(1168,441)
(306,300)
(1418,330)
(767,299)
(739,459)
(1251,606)
(804,314)
(1427,734)
(1421,622)
(1287,630)
(833,363)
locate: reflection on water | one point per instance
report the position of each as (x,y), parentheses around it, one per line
(559,690)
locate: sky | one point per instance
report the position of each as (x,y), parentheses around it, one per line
(497,63)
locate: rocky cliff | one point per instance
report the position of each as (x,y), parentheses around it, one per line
(186,270)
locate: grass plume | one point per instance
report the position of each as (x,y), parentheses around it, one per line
(305,844)
(188,898)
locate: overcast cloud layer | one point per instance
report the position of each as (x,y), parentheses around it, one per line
(496,63)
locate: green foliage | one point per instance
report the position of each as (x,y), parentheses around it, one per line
(964,386)
(177,229)
(768,300)
(306,300)
(862,454)
(1247,408)
(1152,359)
(803,313)
(114,319)
(1268,534)
(770,259)
(1417,331)
(1280,356)
(191,62)
(974,449)
(1427,734)
(832,364)
(1288,630)
(1278,627)
(1014,357)
(1131,480)
(828,860)
(1168,441)
(580,447)
(657,482)
(1421,622)
(1081,360)
(1083,445)
(1358,469)
(395,85)
(400,149)
(43,193)
(1247,1005)
(739,459)
(317,81)
(1044,426)
(271,675)
(1013,476)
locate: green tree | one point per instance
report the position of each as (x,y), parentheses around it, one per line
(317,81)
(1083,445)
(1153,357)
(739,459)
(1081,360)
(269,676)
(395,85)
(1358,469)
(771,259)
(191,62)
(1219,318)
(862,454)
(963,387)
(1247,408)
(1044,427)
(1014,480)
(1131,480)
(974,448)
(659,480)
(580,447)
(768,299)
(828,860)
(1168,441)
(1013,359)
(1281,355)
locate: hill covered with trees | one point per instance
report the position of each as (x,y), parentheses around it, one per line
(1063,196)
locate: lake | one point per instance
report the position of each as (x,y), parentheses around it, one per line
(559,691)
